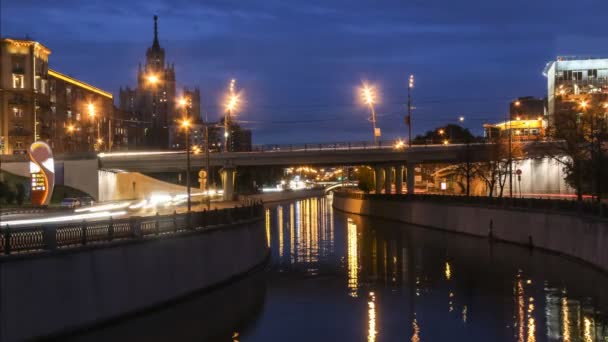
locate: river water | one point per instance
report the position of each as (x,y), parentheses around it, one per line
(340,277)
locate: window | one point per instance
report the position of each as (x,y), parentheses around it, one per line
(43,86)
(18,144)
(69,114)
(577,75)
(592,73)
(18,81)
(77,116)
(18,112)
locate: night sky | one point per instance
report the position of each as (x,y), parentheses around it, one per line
(299,63)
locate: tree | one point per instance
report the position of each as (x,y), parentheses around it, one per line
(576,141)
(496,170)
(365,177)
(450,132)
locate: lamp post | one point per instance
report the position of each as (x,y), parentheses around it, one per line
(594,187)
(186,125)
(71,130)
(153,82)
(92,114)
(369,97)
(409,109)
(233,100)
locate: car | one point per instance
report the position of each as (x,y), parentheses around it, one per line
(70,203)
(86,201)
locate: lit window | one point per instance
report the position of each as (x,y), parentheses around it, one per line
(18,81)
(77,116)
(18,112)
(69,114)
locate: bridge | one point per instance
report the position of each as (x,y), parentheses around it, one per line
(383,158)
(387,160)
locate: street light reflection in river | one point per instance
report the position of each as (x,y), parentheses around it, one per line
(280,219)
(353,258)
(371,331)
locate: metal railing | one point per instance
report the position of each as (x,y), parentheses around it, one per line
(357,145)
(69,235)
(586,208)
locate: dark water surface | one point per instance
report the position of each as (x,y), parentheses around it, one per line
(339,277)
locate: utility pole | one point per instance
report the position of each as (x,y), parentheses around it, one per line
(408,120)
(208,201)
(510,161)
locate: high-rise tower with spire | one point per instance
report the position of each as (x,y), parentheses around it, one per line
(152,104)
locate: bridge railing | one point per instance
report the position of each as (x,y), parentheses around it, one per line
(586,208)
(61,236)
(357,145)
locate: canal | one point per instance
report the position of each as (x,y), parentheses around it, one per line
(340,277)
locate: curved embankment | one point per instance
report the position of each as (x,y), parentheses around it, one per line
(582,237)
(51,293)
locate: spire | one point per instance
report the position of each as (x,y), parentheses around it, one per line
(155,44)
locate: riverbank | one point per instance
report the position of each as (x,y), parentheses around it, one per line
(271,197)
(136,267)
(582,238)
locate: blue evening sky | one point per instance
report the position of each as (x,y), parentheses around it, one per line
(299,63)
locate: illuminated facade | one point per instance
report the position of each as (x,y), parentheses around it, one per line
(520,130)
(24,92)
(38,103)
(152,106)
(571,79)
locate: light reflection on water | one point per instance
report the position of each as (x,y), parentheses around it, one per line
(390,281)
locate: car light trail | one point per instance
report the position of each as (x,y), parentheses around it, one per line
(60,219)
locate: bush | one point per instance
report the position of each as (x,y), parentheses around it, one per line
(366,180)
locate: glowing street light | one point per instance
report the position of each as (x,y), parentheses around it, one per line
(461,119)
(91,109)
(182,102)
(399,144)
(584,104)
(153,79)
(369,97)
(446,142)
(441,131)
(71,128)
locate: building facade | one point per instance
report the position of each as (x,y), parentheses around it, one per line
(38,103)
(572,79)
(153,105)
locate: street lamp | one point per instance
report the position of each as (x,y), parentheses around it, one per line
(92,114)
(152,79)
(409,109)
(231,104)
(369,97)
(584,105)
(183,103)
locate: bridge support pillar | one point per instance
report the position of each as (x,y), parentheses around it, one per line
(410,178)
(228,174)
(388,179)
(399,179)
(378,170)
